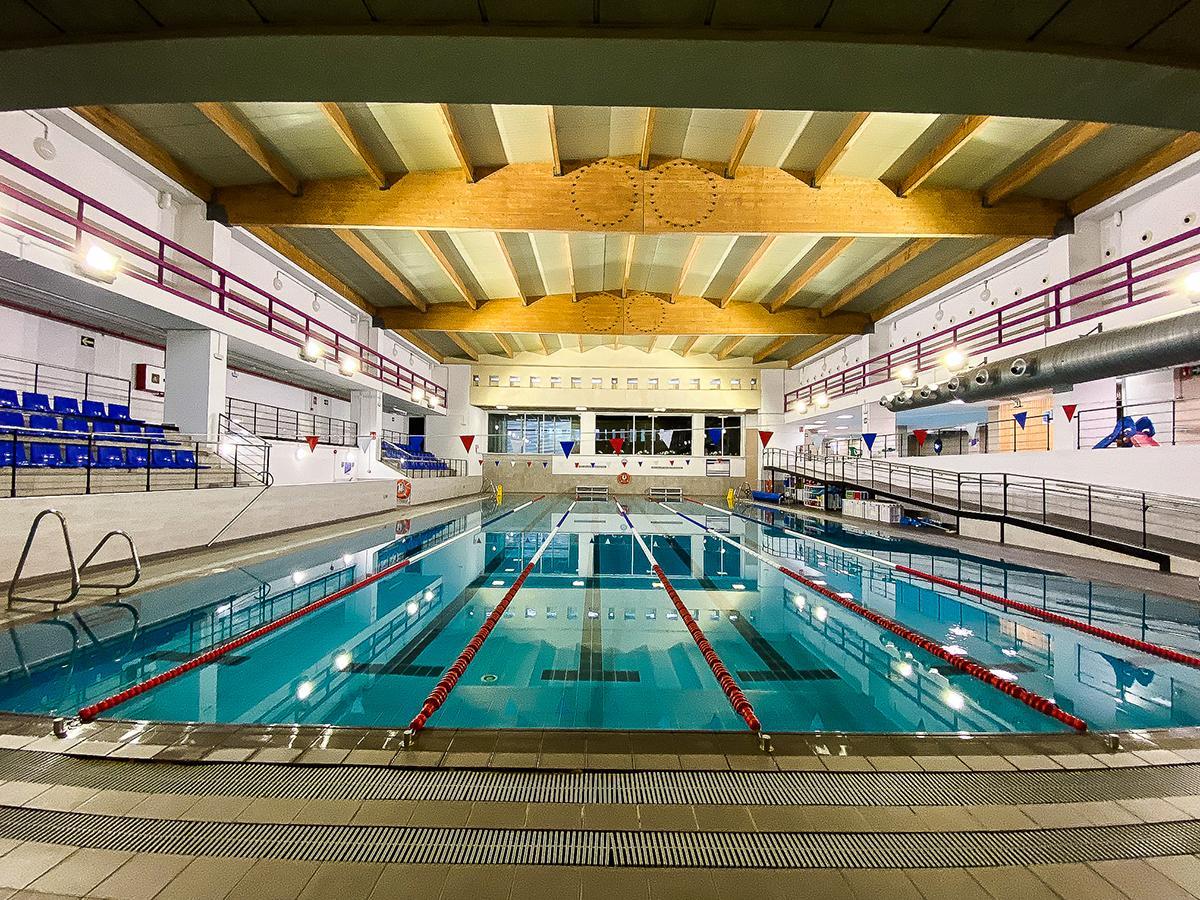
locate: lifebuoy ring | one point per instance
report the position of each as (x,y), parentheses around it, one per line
(403,489)
(624,478)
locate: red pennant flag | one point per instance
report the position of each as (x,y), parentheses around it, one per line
(528,463)
(468,440)
(313,440)
(624,463)
(920,434)
(671,461)
(616,444)
(1069,409)
(765,437)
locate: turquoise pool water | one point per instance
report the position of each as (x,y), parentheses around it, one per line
(592,641)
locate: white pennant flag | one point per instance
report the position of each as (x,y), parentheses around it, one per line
(665,435)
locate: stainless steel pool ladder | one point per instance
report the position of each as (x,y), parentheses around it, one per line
(77,582)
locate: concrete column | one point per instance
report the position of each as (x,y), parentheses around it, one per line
(195,374)
(587,434)
(366,410)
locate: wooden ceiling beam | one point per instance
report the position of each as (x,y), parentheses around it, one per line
(570,265)
(726,347)
(558,314)
(963,267)
(755,258)
(456,142)
(1151,164)
(555,159)
(125,134)
(818,265)
(527,197)
(687,266)
(742,142)
(234,128)
(889,266)
(940,155)
(850,134)
(647,138)
(464,345)
(628,265)
(772,348)
(352,140)
(443,262)
(1054,151)
(813,350)
(302,260)
(582,349)
(421,344)
(380,266)
(542,345)
(511,266)
(688,345)
(505,346)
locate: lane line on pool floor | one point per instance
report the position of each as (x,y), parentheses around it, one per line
(90,712)
(1029,698)
(1168,653)
(730,687)
(448,680)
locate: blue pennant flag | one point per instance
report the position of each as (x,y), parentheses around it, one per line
(567,446)
(869,439)
(497,462)
(1020,418)
(714,435)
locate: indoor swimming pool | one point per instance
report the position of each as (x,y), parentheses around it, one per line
(592,639)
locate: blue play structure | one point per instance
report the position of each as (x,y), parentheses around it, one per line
(1129,433)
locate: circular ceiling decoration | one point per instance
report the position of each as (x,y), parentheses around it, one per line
(600,312)
(682,194)
(604,193)
(645,312)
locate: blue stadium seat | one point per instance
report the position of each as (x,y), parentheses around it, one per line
(45,454)
(47,425)
(186,459)
(8,399)
(35,402)
(94,409)
(75,425)
(162,459)
(12,450)
(131,430)
(118,411)
(66,405)
(110,458)
(156,434)
(139,457)
(76,457)
(100,427)
(11,421)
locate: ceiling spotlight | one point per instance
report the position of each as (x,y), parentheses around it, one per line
(43,146)
(99,264)
(801,407)
(822,400)
(277,283)
(955,359)
(313,349)
(1192,284)
(906,374)
(418,395)
(349,365)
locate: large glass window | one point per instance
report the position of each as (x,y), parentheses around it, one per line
(722,435)
(645,435)
(530,432)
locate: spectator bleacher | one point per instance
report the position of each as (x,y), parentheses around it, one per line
(413,456)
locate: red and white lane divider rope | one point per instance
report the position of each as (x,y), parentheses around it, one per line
(1030,699)
(447,682)
(88,713)
(737,699)
(1163,652)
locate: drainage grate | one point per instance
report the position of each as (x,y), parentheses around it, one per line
(657,849)
(546,786)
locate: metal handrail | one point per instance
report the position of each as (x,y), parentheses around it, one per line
(280,423)
(75,570)
(1038,314)
(13,596)
(230,290)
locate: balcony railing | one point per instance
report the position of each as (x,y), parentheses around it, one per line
(1141,277)
(157,260)
(278,424)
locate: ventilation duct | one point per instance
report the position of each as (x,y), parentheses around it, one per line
(1110,354)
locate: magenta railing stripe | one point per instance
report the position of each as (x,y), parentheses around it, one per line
(280,318)
(1020,320)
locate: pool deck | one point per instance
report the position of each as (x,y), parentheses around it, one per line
(145,810)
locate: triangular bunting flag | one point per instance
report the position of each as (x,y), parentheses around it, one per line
(714,435)
(567,447)
(544,464)
(765,437)
(468,440)
(666,435)
(1020,418)
(616,443)
(313,440)
(364,442)
(624,463)
(1047,416)
(920,434)
(672,462)
(1069,409)
(512,463)
(639,463)
(577,465)
(528,463)
(497,463)
(869,439)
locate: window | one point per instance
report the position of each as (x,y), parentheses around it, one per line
(555,381)
(645,435)
(530,432)
(535,381)
(722,435)
(576,381)
(493,381)
(514,380)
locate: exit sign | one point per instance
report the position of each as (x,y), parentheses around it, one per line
(86,341)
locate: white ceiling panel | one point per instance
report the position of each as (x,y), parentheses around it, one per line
(774,137)
(525,131)
(712,133)
(783,254)
(480,251)
(883,139)
(418,133)
(550,250)
(713,250)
